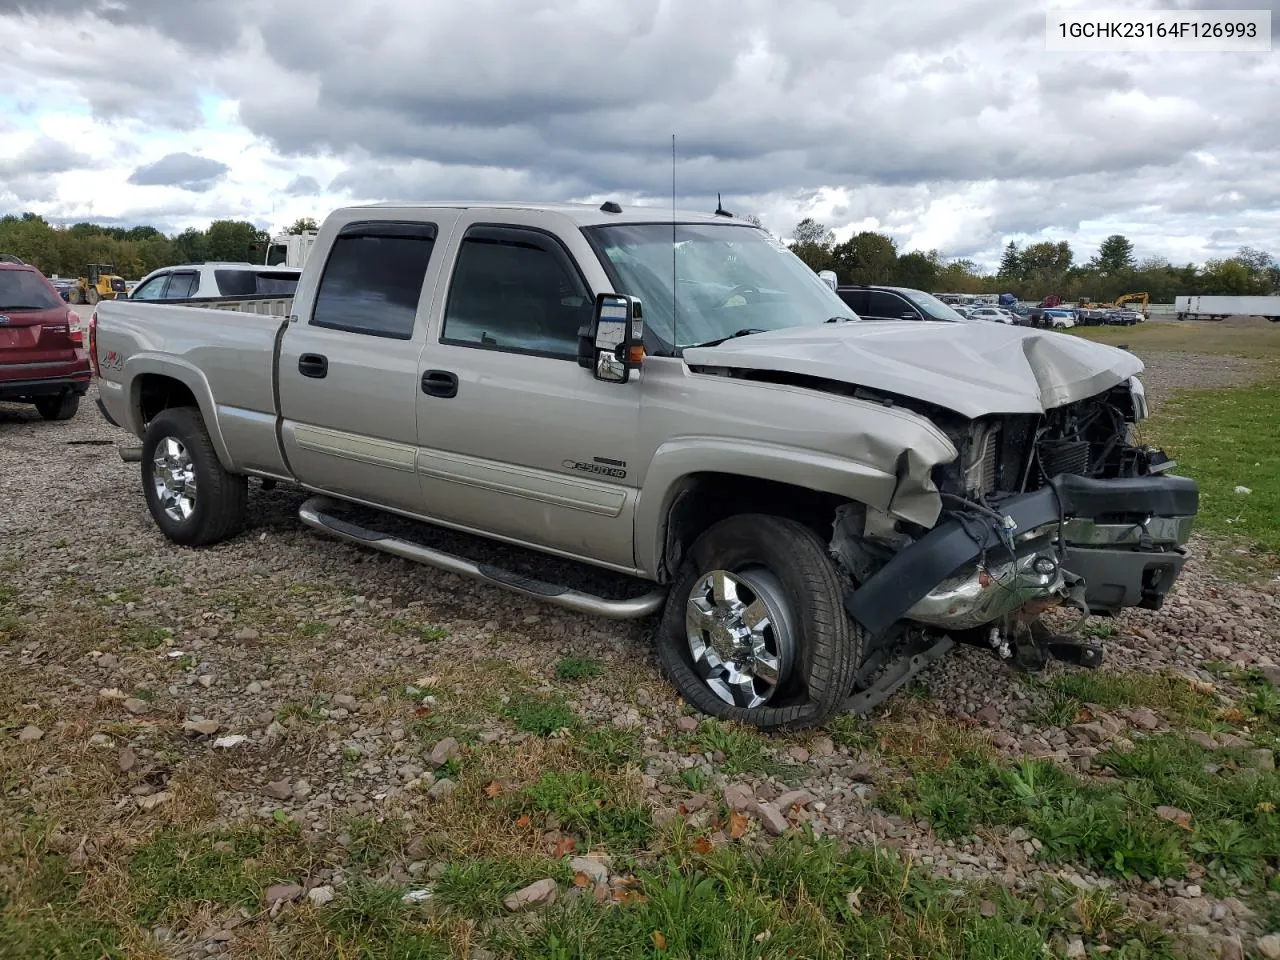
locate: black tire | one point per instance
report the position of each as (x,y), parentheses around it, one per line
(93,296)
(75,296)
(61,407)
(828,646)
(221,498)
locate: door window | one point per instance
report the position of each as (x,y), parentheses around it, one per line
(152,289)
(517,291)
(181,286)
(373,279)
(889,306)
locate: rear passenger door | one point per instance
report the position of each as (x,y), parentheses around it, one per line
(515,438)
(348,364)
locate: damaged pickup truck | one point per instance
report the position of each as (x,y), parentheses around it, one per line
(822,505)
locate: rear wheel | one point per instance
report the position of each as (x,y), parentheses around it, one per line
(755,629)
(93,295)
(61,407)
(193,500)
(75,295)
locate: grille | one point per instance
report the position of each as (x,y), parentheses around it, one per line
(1064,456)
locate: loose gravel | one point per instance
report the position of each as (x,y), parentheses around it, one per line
(285,659)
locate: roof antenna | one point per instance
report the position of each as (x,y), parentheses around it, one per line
(720,210)
(675,306)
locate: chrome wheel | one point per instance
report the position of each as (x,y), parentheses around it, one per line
(741,635)
(173,476)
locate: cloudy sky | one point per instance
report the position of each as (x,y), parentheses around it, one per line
(944,123)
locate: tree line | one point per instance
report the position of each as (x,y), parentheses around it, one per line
(1036,270)
(133,251)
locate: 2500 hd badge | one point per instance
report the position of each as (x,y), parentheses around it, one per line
(599,465)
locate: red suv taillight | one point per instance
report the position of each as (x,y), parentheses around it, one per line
(93,343)
(75,330)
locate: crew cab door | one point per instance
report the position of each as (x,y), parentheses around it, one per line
(516,439)
(348,367)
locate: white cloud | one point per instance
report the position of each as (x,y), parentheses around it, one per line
(948,128)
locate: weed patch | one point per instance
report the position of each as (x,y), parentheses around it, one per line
(541,715)
(578,668)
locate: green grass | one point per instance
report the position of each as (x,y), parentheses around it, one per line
(371,922)
(744,748)
(45,920)
(1234,829)
(541,715)
(1171,695)
(1224,439)
(477,887)
(1253,342)
(578,668)
(591,807)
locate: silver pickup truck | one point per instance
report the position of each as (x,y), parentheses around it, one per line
(823,505)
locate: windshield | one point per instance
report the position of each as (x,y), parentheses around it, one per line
(933,308)
(24,290)
(729,280)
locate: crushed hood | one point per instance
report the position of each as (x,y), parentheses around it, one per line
(975,369)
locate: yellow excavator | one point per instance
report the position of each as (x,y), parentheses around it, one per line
(100,282)
(1142,298)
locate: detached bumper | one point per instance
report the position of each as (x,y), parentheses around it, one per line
(1122,537)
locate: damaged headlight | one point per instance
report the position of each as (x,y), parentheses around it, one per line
(1138,394)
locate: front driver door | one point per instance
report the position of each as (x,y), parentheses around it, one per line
(515,438)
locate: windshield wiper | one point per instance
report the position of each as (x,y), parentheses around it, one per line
(745,332)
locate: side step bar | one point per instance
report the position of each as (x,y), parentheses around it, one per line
(314,514)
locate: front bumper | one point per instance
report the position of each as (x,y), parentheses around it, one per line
(1123,538)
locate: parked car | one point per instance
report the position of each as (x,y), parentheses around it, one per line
(1059,319)
(992,315)
(43,360)
(1122,318)
(199,281)
(822,505)
(896,303)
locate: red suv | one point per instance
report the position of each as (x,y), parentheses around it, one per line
(42,354)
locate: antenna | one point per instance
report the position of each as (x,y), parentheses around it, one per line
(675,306)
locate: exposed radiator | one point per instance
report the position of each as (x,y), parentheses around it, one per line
(1064,456)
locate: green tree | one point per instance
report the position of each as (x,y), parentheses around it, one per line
(302,225)
(1115,256)
(1010,263)
(812,242)
(866,257)
(233,240)
(916,269)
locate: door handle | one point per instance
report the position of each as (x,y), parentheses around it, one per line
(440,383)
(313,365)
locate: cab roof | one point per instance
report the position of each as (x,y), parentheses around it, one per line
(583,214)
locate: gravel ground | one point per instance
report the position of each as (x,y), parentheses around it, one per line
(305,646)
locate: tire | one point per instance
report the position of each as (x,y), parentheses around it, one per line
(791,564)
(61,407)
(216,511)
(75,296)
(93,296)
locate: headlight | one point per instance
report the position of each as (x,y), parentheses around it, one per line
(1139,394)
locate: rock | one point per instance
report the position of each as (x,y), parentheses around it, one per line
(793,798)
(861,773)
(1271,673)
(1231,948)
(1202,739)
(738,796)
(279,789)
(444,751)
(30,734)
(1075,949)
(136,706)
(442,789)
(1269,946)
(101,740)
(156,799)
(206,728)
(108,661)
(695,803)
(1233,742)
(206,680)
(770,818)
(988,909)
(127,760)
(245,635)
(282,891)
(253,689)
(1144,718)
(595,870)
(319,896)
(799,754)
(1192,891)
(345,701)
(1090,732)
(1173,815)
(822,747)
(1262,760)
(989,715)
(686,724)
(542,893)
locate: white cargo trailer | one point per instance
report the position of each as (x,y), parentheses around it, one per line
(1217,308)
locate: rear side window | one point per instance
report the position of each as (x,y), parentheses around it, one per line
(255,283)
(889,306)
(855,300)
(26,290)
(373,279)
(182,285)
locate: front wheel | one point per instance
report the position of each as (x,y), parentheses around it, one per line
(755,630)
(192,498)
(93,296)
(61,407)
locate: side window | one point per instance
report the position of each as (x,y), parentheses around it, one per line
(856,300)
(516,290)
(888,305)
(152,289)
(181,286)
(373,278)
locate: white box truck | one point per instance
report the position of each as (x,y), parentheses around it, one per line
(1218,308)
